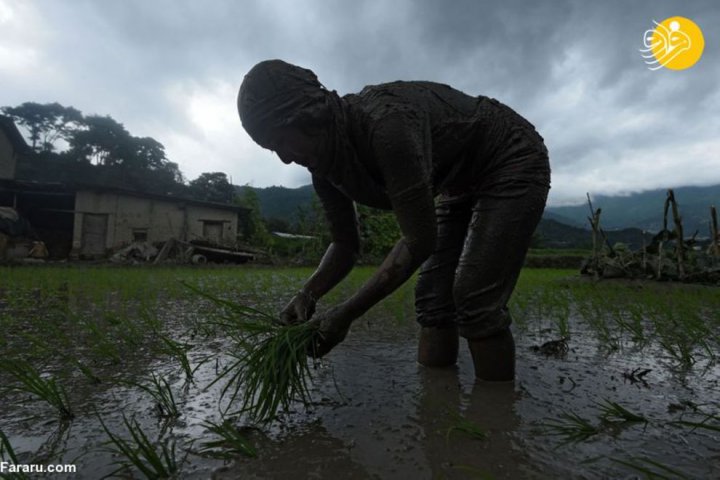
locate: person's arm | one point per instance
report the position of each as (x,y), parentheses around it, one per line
(339,258)
(401,154)
(342,253)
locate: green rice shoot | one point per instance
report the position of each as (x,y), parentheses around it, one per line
(7,454)
(231,442)
(651,468)
(710,422)
(6,450)
(152,461)
(31,381)
(614,412)
(161,391)
(466,427)
(571,428)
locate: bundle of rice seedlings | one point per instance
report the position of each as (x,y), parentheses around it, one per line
(270,368)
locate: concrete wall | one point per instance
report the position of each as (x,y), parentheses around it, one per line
(158,219)
(197,215)
(8,157)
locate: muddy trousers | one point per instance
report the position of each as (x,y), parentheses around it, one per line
(481,247)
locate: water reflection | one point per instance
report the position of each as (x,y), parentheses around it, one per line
(469,428)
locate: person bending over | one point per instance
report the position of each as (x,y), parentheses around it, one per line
(466,177)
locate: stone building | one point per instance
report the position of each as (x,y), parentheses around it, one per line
(92,221)
(108,219)
(86,221)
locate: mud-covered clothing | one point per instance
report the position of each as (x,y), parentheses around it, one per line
(480,250)
(412,145)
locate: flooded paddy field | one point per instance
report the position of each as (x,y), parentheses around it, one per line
(115,370)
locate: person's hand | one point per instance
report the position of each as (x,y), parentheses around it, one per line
(299,310)
(332,326)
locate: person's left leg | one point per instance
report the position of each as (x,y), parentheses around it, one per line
(498,238)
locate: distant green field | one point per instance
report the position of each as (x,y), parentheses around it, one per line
(559,251)
(57,302)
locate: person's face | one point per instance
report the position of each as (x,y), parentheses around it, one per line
(293,145)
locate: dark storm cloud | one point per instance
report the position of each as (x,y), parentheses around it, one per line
(170,69)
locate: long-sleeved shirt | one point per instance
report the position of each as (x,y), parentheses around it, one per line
(413,141)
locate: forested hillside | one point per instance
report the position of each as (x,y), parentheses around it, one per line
(624,218)
(645,210)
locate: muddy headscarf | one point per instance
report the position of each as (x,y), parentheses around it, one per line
(275,93)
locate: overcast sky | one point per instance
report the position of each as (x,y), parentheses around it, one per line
(170,69)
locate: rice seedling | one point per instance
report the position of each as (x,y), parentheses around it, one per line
(6,450)
(651,469)
(56,350)
(696,328)
(466,427)
(563,327)
(571,428)
(178,351)
(149,320)
(519,306)
(101,342)
(161,391)
(230,444)
(631,322)
(703,424)
(31,381)
(154,462)
(614,412)
(678,347)
(7,454)
(130,332)
(559,310)
(594,310)
(271,363)
(86,371)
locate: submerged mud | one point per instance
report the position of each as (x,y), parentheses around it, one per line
(395,419)
(376,413)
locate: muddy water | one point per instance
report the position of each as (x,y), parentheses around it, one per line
(396,418)
(377,414)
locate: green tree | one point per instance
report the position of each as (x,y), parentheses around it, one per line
(253,229)
(123,159)
(213,187)
(101,151)
(275,224)
(310,220)
(379,231)
(46,123)
(104,141)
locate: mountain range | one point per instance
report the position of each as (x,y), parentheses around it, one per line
(624,217)
(644,210)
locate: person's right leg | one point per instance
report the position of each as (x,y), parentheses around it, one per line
(434,304)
